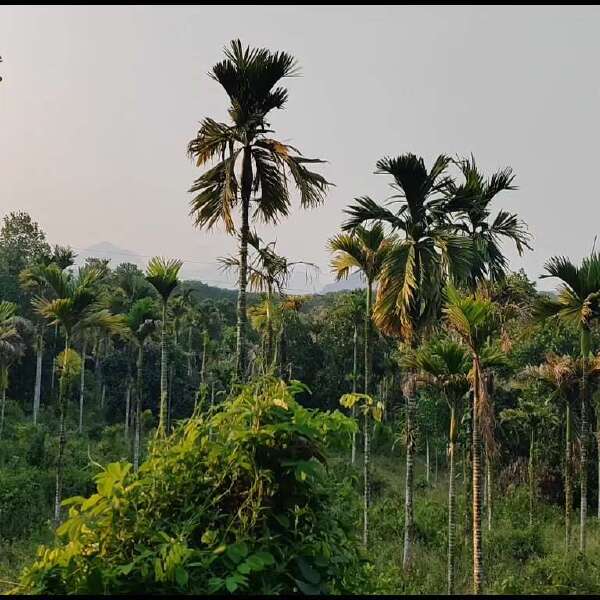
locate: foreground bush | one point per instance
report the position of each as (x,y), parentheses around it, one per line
(240,501)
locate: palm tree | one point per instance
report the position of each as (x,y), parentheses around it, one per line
(445,365)
(530,415)
(474,319)
(251,78)
(578,304)
(13,333)
(410,285)
(141,322)
(269,273)
(472,199)
(364,249)
(163,274)
(74,308)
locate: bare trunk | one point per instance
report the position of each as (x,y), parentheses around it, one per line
(585,350)
(82,386)
(427,468)
(2,410)
(366,420)
(37,393)
(354,376)
(476,458)
(409,484)
(451,504)
(138,410)
(531,476)
(127,408)
(568,483)
(242,316)
(62,438)
(163,372)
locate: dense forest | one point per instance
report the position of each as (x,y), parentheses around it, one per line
(437,431)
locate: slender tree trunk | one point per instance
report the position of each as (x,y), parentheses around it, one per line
(489,493)
(269,349)
(82,385)
(203,368)
(451,503)
(568,483)
(2,409)
(476,458)
(531,476)
(436,465)
(127,408)
(409,481)
(427,467)
(138,409)
(37,393)
(598,452)
(366,420)
(189,356)
(585,350)
(62,437)
(170,395)
(242,316)
(163,373)
(354,376)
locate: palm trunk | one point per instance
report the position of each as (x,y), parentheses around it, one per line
(585,350)
(2,409)
(427,467)
(409,482)
(476,458)
(568,483)
(451,503)
(488,488)
(531,476)
(203,368)
(127,408)
(82,386)
(37,393)
(354,376)
(62,438)
(269,350)
(170,395)
(163,372)
(189,356)
(138,409)
(242,316)
(598,452)
(366,420)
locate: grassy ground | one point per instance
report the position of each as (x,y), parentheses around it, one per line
(517,558)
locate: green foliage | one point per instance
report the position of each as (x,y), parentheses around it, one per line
(240,501)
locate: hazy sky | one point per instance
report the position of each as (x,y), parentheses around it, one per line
(98,104)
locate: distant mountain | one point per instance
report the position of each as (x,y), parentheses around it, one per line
(354,282)
(111,252)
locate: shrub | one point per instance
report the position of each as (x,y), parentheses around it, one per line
(241,501)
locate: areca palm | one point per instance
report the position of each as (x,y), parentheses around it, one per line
(75,308)
(13,334)
(577,303)
(141,322)
(445,365)
(163,275)
(472,199)
(474,319)
(410,286)
(251,168)
(364,249)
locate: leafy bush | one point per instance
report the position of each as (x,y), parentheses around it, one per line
(241,501)
(24,501)
(520,544)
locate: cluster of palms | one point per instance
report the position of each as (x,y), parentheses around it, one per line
(90,308)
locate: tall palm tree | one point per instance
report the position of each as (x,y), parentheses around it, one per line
(141,322)
(472,199)
(365,250)
(163,275)
(251,167)
(75,308)
(577,303)
(410,286)
(445,365)
(474,319)
(13,333)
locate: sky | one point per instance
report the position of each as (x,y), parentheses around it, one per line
(97,105)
